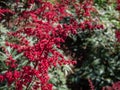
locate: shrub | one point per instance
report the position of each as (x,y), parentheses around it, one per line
(39,39)
(30,46)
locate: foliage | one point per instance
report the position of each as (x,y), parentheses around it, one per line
(41,38)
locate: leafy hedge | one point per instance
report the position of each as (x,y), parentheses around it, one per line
(41,40)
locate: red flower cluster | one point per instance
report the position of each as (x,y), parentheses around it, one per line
(12,76)
(118,5)
(1,78)
(11,62)
(115,86)
(4,11)
(84,8)
(91,84)
(117,33)
(90,25)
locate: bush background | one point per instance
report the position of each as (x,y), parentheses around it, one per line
(97,52)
